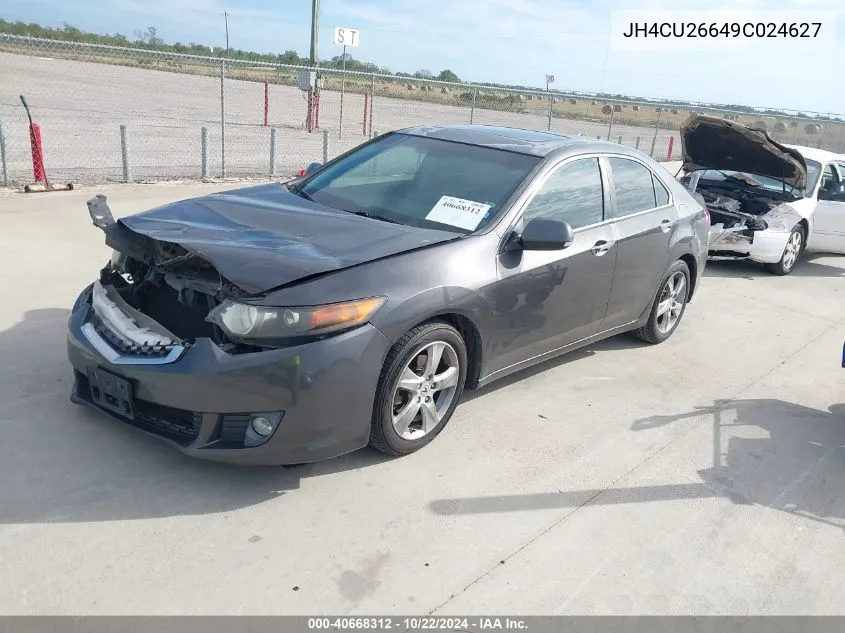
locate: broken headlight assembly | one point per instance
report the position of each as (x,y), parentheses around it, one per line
(265,325)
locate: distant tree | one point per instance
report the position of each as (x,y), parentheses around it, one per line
(424,74)
(448,75)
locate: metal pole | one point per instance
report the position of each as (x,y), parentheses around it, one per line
(472,107)
(342,90)
(372,98)
(223,102)
(619,141)
(637,146)
(272,151)
(3,156)
(205,152)
(325,146)
(610,125)
(656,127)
(222,119)
(550,103)
(124,154)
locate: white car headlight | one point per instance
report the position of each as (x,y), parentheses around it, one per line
(262,323)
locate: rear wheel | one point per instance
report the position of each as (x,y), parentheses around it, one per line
(669,305)
(420,385)
(793,249)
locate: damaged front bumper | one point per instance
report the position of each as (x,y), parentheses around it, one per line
(765,247)
(201,399)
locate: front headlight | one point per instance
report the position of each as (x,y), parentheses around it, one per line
(263,323)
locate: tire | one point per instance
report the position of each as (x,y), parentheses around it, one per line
(659,326)
(792,251)
(394,431)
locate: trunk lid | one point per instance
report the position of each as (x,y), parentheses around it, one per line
(263,237)
(713,143)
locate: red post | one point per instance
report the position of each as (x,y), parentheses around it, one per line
(37,153)
(309,117)
(671,143)
(316,109)
(266,104)
(366,109)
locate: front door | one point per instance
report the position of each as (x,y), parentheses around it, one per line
(545,300)
(828,233)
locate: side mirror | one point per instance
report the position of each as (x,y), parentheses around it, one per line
(545,235)
(312,168)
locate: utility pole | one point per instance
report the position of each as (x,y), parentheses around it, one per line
(223,101)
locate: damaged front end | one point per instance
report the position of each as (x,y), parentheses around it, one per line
(739,213)
(152,300)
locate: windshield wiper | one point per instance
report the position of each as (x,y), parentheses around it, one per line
(297,189)
(375,216)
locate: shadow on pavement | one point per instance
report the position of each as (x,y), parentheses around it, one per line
(61,462)
(770,453)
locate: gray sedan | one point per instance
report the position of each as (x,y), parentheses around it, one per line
(289,323)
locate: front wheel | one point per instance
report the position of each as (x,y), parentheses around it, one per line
(668,307)
(419,388)
(791,252)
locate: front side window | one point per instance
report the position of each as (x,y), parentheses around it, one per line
(573,193)
(633,186)
(422,181)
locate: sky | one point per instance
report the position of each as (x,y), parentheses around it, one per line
(503,41)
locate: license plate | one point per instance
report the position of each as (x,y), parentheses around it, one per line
(111,392)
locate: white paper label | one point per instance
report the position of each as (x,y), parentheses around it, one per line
(464,214)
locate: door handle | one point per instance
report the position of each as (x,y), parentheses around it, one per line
(666,225)
(601,247)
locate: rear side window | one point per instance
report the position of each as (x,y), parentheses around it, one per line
(634,187)
(660,193)
(573,193)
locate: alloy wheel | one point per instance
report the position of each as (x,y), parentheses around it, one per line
(792,250)
(425,390)
(671,303)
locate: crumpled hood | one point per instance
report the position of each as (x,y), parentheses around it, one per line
(713,143)
(263,237)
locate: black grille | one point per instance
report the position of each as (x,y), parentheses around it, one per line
(125,346)
(179,425)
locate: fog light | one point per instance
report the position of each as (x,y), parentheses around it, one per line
(261,427)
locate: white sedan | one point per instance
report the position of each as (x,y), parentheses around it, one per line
(768,202)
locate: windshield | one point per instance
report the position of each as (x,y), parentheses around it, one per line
(422,181)
(752,180)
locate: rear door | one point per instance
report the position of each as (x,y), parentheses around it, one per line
(646,219)
(828,233)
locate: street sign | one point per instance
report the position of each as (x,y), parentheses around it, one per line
(344,36)
(550,79)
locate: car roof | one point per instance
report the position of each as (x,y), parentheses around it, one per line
(818,155)
(519,140)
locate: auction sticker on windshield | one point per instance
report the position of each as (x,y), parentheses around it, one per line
(464,214)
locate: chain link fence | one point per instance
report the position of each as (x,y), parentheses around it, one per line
(123,114)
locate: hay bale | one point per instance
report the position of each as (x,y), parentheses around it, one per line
(812,128)
(635,108)
(573,101)
(793,124)
(617,108)
(760,124)
(443,91)
(410,86)
(530,97)
(674,111)
(780,126)
(594,102)
(658,109)
(606,109)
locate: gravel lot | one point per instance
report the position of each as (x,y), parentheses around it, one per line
(81,106)
(704,475)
